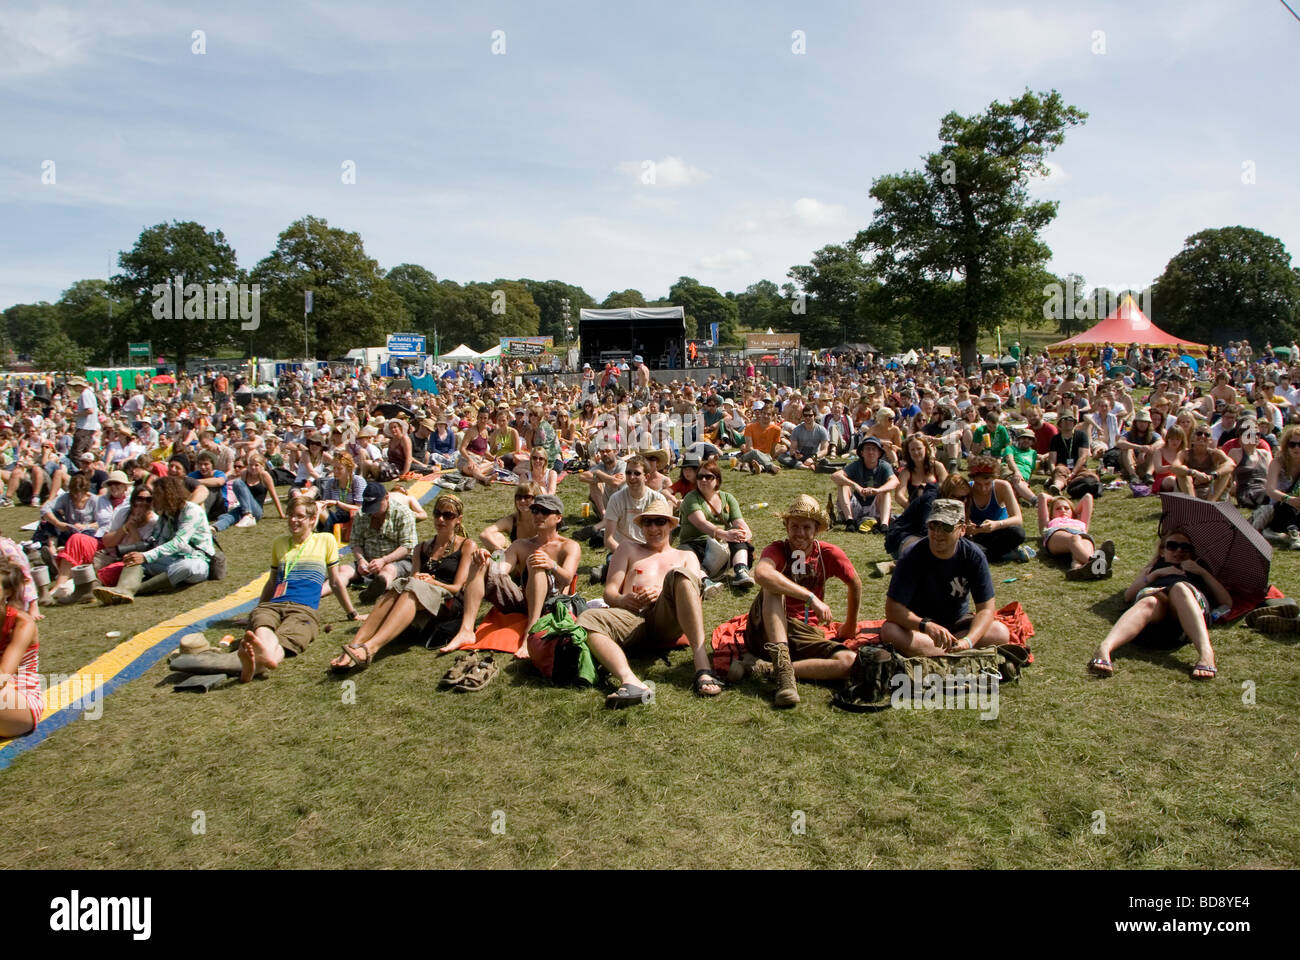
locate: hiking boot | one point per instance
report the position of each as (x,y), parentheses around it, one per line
(783,669)
(747,666)
(1286,608)
(1277,625)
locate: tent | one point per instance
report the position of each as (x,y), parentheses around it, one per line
(460,353)
(492,354)
(1127,324)
(630,331)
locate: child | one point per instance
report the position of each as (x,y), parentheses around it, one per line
(21,699)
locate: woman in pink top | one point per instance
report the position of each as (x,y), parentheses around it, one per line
(21,699)
(1064,530)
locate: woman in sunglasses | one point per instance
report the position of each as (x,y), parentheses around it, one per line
(1171,602)
(538,470)
(1208,467)
(1283,486)
(711,517)
(430,599)
(514,526)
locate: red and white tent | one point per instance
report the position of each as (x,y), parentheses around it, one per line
(1127,324)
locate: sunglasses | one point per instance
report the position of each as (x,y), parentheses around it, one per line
(1176,546)
(655,521)
(538,511)
(708,476)
(1201,433)
(446,514)
(945,527)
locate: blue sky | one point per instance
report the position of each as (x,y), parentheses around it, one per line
(529,163)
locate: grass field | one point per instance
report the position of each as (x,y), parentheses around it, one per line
(304,770)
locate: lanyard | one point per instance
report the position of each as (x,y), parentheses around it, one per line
(291,559)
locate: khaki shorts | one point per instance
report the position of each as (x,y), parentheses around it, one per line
(659,626)
(806,641)
(293,624)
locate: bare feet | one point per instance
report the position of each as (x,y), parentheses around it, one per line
(463,638)
(255,657)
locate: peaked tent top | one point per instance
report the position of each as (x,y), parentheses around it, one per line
(1127,324)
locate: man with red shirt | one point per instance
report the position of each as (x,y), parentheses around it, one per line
(1043,431)
(782,632)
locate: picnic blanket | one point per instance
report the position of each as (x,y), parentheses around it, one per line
(729,637)
(504,633)
(1244,607)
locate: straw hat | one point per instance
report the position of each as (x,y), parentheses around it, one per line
(658,508)
(662,456)
(194,643)
(806,507)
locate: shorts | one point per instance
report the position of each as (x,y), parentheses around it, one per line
(1047,535)
(388,471)
(863,509)
(658,627)
(505,593)
(1168,633)
(806,641)
(431,602)
(294,624)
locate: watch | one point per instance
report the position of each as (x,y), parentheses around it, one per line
(924,621)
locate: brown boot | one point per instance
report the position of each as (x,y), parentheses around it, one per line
(786,693)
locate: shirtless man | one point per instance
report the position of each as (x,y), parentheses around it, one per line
(653,592)
(547,563)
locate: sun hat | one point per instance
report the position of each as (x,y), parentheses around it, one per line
(1142,415)
(806,507)
(658,508)
(691,460)
(662,456)
(117,476)
(873,441)
(947,511)
(194,643)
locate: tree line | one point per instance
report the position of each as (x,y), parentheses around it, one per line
(954,249)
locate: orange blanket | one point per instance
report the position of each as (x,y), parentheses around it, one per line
(729,637)
(504,633)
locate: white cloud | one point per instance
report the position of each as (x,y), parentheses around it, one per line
(669,172)
(727,260)
(45,39)
(814,213)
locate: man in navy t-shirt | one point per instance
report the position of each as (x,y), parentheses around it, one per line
(926,609)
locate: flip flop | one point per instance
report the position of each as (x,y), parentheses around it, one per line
(630,694)
(1204,672)
(1100,667)
(707,678)
(358,663)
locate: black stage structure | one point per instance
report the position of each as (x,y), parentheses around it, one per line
(654,333)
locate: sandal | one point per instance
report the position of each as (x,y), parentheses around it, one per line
(458,670)
(1101,668)
(358,664)
(705,678)
(630,694)
(478,676)
(1203,671)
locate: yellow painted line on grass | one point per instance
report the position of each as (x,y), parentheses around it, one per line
(91,678)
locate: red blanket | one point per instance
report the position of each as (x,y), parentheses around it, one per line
(729,637)
(1244,607)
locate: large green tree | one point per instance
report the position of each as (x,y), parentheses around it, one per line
(162,253)
(762,306)
(549,295)
(967,214)
(26,324)
(624,298)
(705,306)
(824,300)
(96,320)
(352,302)
(1229,283)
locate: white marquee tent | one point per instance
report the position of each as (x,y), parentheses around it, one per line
(460,353)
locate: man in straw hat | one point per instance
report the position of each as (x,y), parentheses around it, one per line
(87,417)
(653,592)
(926,607)
(783,633)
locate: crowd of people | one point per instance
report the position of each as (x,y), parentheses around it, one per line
(135,487)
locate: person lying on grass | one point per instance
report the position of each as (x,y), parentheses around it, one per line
(21,700)
(1064,530)
(285,621)
(653,592)
(926,608)
(534,571)
(430,600)
(1170,608)
(782,632)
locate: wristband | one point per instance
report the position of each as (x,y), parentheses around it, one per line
(924,622)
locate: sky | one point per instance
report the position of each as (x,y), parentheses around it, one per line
(508,140)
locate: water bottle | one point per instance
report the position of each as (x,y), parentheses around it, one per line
(1219,612)
(758,506)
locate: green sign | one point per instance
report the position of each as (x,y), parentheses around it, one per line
(139,350)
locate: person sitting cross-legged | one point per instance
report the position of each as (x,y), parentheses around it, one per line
(382,541)
(285,620)
(792,574)
(866,487)
(926,608)
(653,592)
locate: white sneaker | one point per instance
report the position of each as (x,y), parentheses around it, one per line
(247,520)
